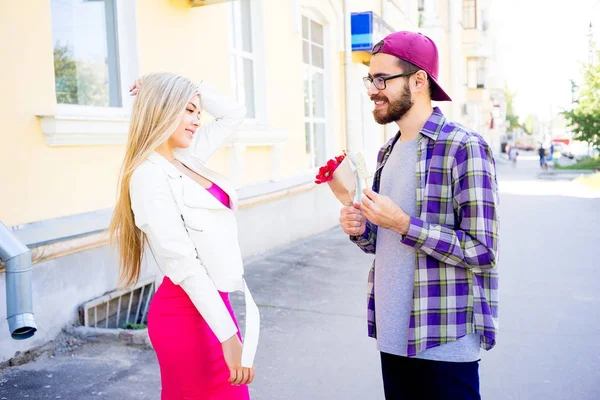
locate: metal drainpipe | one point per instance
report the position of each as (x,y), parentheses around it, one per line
(452,56)
(351,141)
(19,303)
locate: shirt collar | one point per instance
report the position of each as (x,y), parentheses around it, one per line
(434,124)
(162,162)
(431,129)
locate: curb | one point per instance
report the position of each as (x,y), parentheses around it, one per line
(128,337)
(565,174)
(570,171)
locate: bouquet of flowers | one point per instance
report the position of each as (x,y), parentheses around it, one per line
(341,179)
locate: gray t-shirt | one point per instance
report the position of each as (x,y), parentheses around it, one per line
(395,268)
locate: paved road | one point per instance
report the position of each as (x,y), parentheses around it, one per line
(312,298)
(550,291)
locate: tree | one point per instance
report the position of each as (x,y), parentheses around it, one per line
(78,82)
(511,117)
(584,117)
(529,124)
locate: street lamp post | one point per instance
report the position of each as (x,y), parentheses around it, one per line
(574,88)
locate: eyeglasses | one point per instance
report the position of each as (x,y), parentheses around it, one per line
(380,82)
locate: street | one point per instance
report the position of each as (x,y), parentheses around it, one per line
(314,343)
(549,291)
(312,296)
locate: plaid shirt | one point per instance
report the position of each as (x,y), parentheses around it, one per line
(455,234)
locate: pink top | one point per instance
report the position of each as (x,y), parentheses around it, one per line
(219,194)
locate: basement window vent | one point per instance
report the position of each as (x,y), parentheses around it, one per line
(120,308)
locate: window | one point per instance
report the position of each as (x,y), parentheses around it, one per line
(95,60)
(313,56)
(476,73)
(469,19)
(244,55)
(86,55)
(481,73)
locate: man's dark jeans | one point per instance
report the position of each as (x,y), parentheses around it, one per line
(406,378)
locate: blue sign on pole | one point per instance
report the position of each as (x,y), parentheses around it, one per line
(367,29)
(362,31)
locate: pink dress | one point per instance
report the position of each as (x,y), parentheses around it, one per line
(190,356)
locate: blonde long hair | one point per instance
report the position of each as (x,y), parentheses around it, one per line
(156,114)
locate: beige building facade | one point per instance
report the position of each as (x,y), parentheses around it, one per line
(65,110)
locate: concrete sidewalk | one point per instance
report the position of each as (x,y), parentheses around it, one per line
(312,296)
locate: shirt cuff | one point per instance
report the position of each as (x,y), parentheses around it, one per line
(225,329)
(361,240)
(417,233)
(207,300)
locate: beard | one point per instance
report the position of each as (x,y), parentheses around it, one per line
(395,109)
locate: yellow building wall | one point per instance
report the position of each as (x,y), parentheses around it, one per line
(366,5)
(257,165)
(477,95)
(189,42)
(42,182)
(470,36)
(285,86)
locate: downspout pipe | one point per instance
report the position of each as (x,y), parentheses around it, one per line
(351,139)
(19,302)
(452,60)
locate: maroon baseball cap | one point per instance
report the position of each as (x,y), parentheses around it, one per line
(419,50)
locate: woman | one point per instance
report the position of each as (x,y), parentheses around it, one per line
(513,154)
(184,211)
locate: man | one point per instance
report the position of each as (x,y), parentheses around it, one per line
(513,153)
(542,154)
(431,220)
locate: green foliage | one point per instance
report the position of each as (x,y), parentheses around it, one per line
(511,116)
(131,325)
(588,163)
(529,124)
(79,82)
(584,117)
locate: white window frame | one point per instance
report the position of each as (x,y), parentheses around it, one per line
(481,73)
(476,71)
(75,125)
(470,18)
(257,57)
(314,15)
(471,73)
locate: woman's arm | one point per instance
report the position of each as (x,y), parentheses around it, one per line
(228,115)
(158,216)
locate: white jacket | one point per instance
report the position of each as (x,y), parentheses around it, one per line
(193,236)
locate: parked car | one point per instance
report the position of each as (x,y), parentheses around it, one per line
(578,151)
(559,147)
(525,146)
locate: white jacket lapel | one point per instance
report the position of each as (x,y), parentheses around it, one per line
(196,165)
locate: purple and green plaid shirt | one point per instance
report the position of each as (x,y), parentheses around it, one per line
(455,234)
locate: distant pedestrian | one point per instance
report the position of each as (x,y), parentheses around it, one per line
(542,154)
(513,153)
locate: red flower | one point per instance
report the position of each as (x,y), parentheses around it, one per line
(326,172)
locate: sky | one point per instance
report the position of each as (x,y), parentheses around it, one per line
(540,47)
